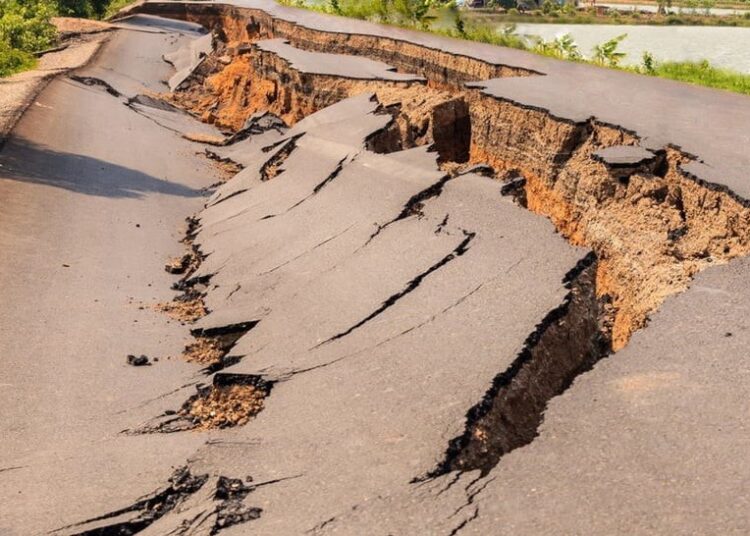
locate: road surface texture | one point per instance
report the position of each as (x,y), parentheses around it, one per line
(413,285)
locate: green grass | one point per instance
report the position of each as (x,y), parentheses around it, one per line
(703,74)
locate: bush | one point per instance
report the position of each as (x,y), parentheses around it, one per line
(25,24)
(75,8)
(607,53)
(24,28)
(89,8)
(13,60)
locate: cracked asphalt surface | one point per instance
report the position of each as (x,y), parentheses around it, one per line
(382,296)
(91,210)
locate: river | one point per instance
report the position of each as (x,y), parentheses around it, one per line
(727,47)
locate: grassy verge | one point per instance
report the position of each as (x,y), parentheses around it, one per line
(703,74)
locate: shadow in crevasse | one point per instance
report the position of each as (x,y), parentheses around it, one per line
(24,161)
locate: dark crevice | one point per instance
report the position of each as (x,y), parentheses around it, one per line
(318,187)
(257,124)
(389,138)
(222,508)
(446,129)
(212,346)
(316,246)
(567,342)
(272,167)
(515,187)
(413,206)
(465,522)
(324,183)
(230,196)
(410,287)
(93,82)
(152,507)
(389,339)
(442,224)
(14,468)
(451,130)
(238,329)
(471,494)
(232,165)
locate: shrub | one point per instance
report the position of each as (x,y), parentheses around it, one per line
(24,28)
(13,60)
(607,53)
(25,24)
(648,64)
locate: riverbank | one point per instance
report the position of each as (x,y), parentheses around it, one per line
(455,24)
(636,17)
(719,4)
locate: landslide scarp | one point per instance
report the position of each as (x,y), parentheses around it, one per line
(651,225)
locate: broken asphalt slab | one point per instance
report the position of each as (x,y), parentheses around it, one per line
(414,323)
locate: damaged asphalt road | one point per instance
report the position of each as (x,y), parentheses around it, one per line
(94,201)
(367,331)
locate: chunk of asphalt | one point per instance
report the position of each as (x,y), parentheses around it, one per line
(138,361)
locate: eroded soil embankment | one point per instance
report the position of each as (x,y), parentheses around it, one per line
(241,25)
(651,225)
(652,228)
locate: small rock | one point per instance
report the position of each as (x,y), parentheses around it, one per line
(139,361)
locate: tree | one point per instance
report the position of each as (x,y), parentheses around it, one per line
(25,24)
(334,6)
(607,53)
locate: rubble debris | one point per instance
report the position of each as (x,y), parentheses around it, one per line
(138,361)
(188,504)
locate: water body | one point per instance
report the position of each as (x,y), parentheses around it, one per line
(723,47)
(676,10)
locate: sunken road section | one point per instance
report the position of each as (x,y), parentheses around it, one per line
(429,249)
